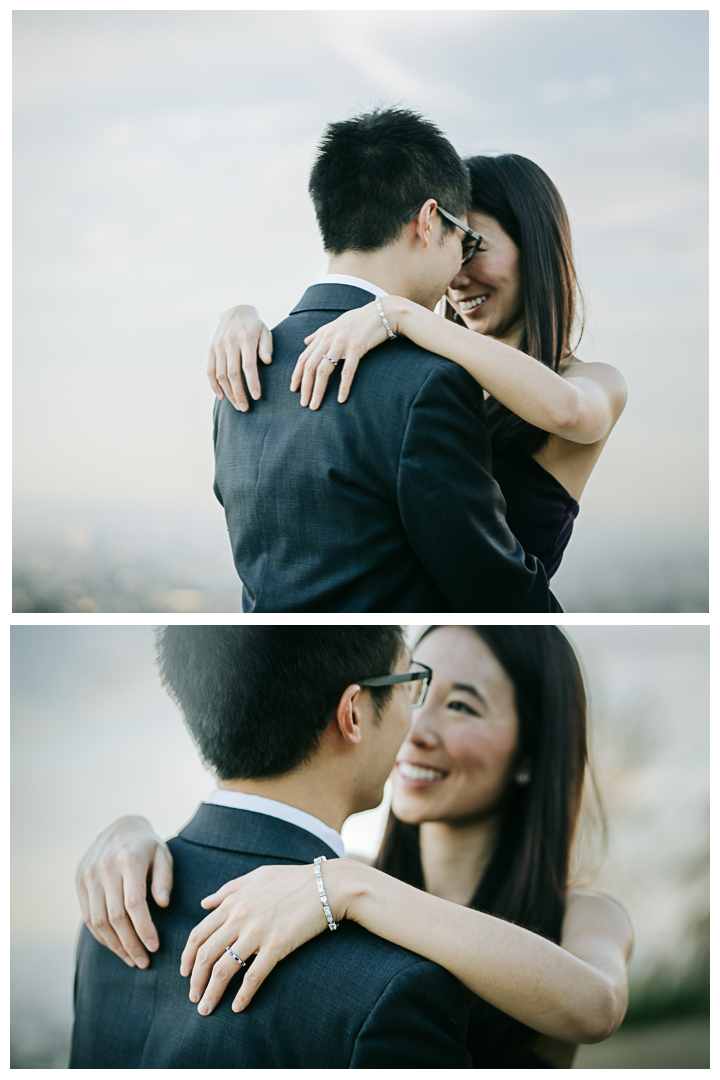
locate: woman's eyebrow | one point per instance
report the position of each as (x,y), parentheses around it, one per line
(470,689)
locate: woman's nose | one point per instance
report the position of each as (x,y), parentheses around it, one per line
(460,281)
(422,730)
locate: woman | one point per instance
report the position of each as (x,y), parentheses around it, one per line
(548,421)
(473,869)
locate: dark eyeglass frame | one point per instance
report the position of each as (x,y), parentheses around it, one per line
(476,237)
(407,676)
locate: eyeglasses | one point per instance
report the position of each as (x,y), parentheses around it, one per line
(416,680)
(472,239)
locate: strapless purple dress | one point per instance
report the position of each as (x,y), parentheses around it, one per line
(540,511)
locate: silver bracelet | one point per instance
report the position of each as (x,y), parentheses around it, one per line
(321,889)
(384,319)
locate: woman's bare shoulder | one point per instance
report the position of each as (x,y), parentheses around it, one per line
(581,905)
(598,925)
(578,897)
(573,365)
(360,858)
(605,377)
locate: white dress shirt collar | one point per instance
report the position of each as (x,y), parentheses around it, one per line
(258,804)
(348,279)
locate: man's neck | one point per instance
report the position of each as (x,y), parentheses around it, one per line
(300,790)
(385,268)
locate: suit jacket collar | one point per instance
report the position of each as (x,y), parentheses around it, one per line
(330,297)
(253,834)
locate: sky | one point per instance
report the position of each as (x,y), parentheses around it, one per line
(96,738)
(161,162)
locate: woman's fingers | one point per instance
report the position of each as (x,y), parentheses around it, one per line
(112,885)
(307,382)
(347,375)
(265,347)
(213,899)
(97,922)
(128,913)
(221,375)
(84,901)
(212,364)
(249,353)
(198,939)
(223,971)
(352,334)
(255,976)
(313,370)
(211,953)
(161,881)
(299,368)
(133,916)
(100,926)
(241,336)
(232,380)
(316,372)
(322,373)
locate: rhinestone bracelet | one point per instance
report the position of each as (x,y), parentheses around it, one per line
(321,889)
(386,324)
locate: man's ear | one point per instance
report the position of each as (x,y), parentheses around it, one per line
(422,222)
(347,714)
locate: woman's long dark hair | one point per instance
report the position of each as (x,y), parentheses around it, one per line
(526,203)
(526,879)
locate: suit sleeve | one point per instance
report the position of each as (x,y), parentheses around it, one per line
(452,509)
(419,1021)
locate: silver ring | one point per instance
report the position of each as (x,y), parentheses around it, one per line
(240,962)
(333,362)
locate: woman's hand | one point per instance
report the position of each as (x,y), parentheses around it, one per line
(112,886)
(265,914)
(240,338)
(346,338)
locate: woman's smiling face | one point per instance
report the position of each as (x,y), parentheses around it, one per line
(458,759)
(488,291)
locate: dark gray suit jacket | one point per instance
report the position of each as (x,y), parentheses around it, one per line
(384,503)
(347,999)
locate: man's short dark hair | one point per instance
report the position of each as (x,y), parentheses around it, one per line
(256,699)
(374,170)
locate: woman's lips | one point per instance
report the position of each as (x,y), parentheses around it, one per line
(418,776)
(473,305)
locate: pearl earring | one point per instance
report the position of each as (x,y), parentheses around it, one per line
(523,778)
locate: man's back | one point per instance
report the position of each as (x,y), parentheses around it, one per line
(343,1000)
(384,503)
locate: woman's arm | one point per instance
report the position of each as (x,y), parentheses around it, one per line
(574,993)
(581,405)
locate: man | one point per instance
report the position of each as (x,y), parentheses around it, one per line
(387,502)
(299,744)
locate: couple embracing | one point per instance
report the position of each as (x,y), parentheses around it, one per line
(462,946)
(431,463)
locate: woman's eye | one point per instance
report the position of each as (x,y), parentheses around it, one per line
(460,706)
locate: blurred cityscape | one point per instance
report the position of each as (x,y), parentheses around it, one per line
(96,738)
(87,559)
(76,558)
